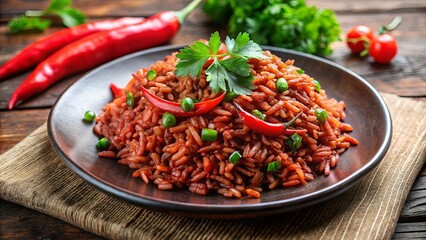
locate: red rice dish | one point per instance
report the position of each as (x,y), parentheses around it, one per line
(177,157)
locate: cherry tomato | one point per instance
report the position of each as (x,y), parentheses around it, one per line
(383,48)
(358,38)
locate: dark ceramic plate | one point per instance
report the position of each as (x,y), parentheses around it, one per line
(74,141)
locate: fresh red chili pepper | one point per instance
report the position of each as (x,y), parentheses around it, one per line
(175,108)
(116,91)
(101,47)
(132,86)
(41,49)
(265,128)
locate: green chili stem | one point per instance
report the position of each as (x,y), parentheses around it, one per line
(183,14)
(288,124)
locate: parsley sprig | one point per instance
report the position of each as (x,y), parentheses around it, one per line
(36,20)
(229,72)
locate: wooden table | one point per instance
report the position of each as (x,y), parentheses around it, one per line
(406,76)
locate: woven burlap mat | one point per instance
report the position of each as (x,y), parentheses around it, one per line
(31,174)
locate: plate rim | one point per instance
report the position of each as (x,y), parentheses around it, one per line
(194,210)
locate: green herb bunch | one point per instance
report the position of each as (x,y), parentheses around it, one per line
(37,21)
(284,23)
(229,72)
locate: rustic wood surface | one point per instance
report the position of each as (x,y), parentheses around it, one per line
(406,76)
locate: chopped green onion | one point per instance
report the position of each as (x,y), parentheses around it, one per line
(317,85)
(235,156)
(321,115)
(300,71)
(258,114)
(168,120)
(229,96)
(103,144)
(294,141)
(89,116)
(281,85)
(187,104)
(273,166)
(208,134)
(130,99)
(151,74)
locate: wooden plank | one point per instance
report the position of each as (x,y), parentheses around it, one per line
(16,125)
(415,205)
(149,7)
(363,6)
(420,183)
(30,224)
(413,230)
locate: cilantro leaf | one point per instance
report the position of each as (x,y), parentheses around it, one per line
(241,86)
(235,45)
(229,71)
(238,66)
(214,42)
(243,47)
(217,76)
(251,50)
(26,24)
(192,59)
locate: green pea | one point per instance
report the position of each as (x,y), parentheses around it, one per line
(103,144)
(294,141)
(89,116)
(273,166)
(168,120)
(281,85)
(235,156)
(258,114)
(151,74)
(130,99)
(187,104)
(321,115)
(229,96)
(208,134)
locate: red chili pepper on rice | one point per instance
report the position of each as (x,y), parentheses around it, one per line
(116,91)
(175,108)
(265,128)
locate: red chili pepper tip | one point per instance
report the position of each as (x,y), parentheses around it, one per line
(266,128)
(175,108)
(116,91)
